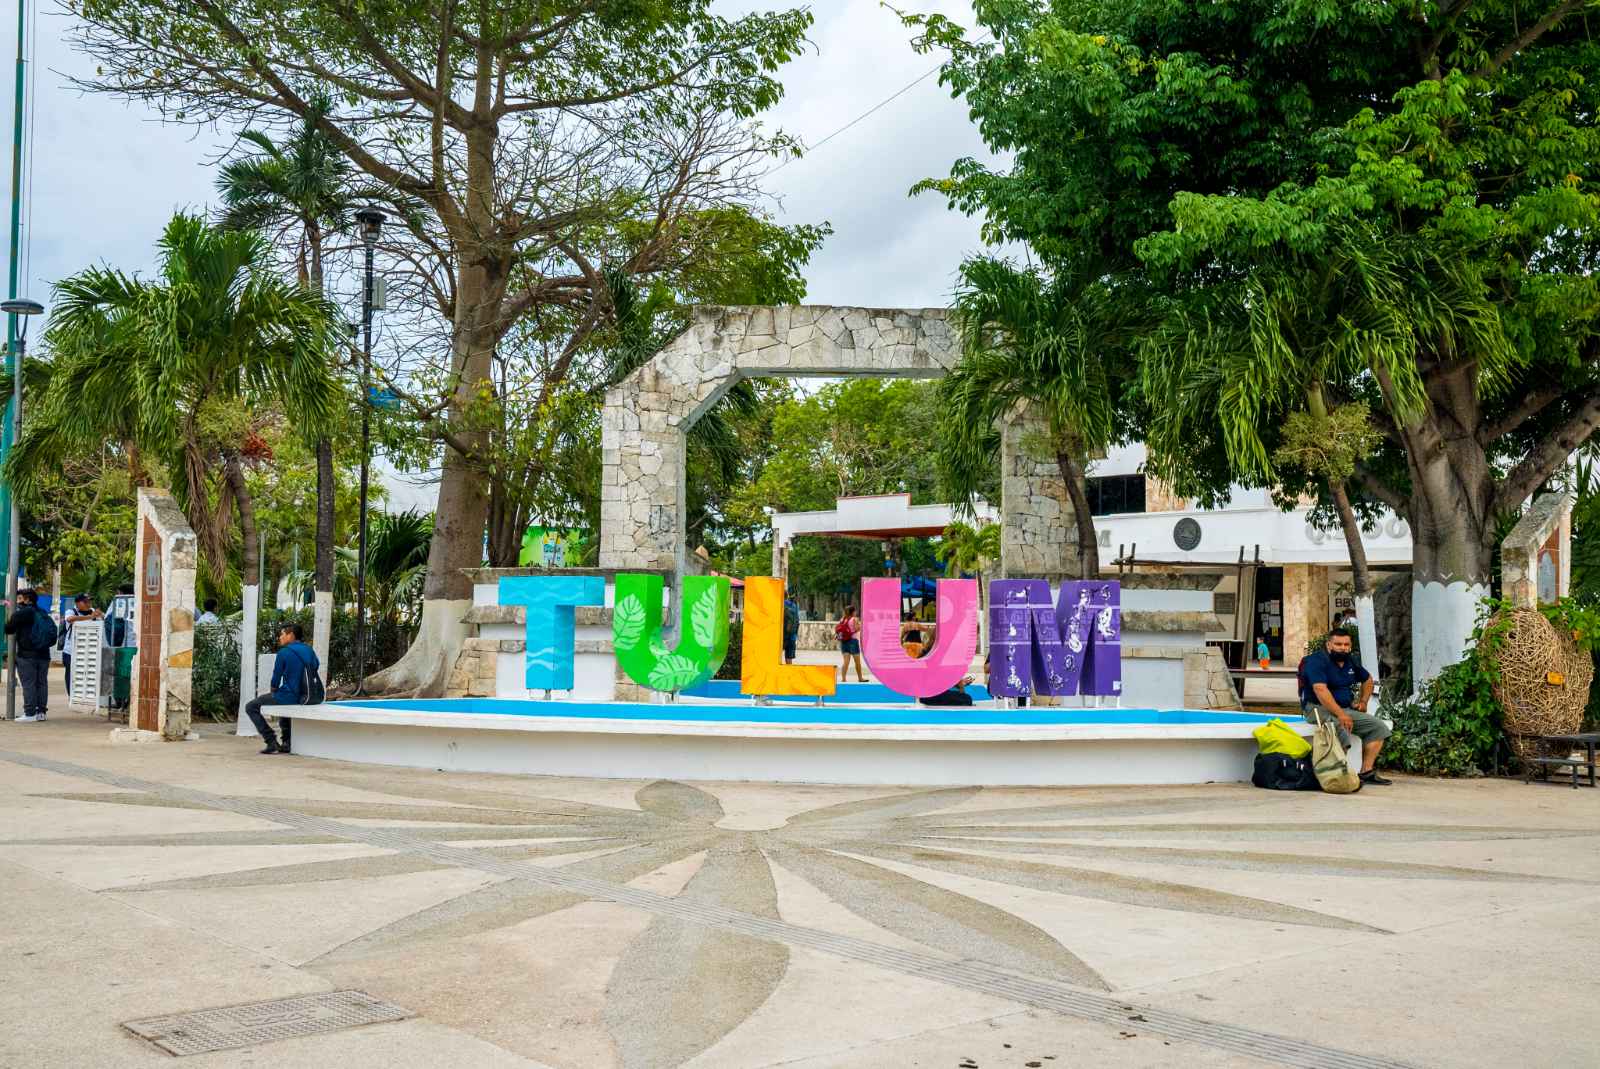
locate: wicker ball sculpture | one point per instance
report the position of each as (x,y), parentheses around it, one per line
(1544,681)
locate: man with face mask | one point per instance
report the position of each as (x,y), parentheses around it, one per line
(1331,680)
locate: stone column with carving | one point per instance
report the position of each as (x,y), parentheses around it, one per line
(1536,557)
(164,569)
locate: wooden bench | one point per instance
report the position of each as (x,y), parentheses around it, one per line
(1240,675)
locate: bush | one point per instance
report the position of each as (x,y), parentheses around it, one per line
(1454,727)
(735,658)
(215,687)
(215,692)
(385,642)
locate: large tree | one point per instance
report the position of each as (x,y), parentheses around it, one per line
(522,127)
(1194,142)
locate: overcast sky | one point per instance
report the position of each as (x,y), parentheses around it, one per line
(106,176)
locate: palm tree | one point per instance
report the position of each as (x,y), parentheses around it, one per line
(183,366)
(965,548)
(1062,341)
(301,191)
(1254,359)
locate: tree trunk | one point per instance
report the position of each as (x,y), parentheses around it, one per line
(463,508)
(1073,476)
(1366,619)
(234,473)
(322,599)
(1451,512)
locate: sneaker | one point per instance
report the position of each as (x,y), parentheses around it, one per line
(271,747)
(1374,779)
(25,720)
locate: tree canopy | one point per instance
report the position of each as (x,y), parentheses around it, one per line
(1202,146)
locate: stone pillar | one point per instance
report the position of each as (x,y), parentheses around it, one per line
(1536,557)
(1158,497)
(1037,537)
(1305,608)
(164,577)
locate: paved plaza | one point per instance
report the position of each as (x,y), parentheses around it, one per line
(582,924)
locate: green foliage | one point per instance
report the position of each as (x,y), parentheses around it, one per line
(215,683)
(1392,203)
(860,436)
(1453,727)
(967,549)
(734,661)
(188,367)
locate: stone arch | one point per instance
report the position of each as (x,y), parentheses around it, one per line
(648,414)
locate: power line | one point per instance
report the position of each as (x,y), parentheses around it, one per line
(891,98)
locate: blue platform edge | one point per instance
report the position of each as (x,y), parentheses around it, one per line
(810,714)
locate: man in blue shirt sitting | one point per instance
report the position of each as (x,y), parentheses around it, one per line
(1331,679)
(289,683)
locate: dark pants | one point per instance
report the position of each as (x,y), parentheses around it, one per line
(34,675)
(953,696)
(252,709)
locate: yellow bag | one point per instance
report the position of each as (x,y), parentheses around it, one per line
(1277,737)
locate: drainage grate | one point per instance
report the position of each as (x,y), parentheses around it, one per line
(230,1027)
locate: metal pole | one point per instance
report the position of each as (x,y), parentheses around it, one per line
(366,463)
(14,553)
(14,350)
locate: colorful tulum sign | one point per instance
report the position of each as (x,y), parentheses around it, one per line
(1070,646)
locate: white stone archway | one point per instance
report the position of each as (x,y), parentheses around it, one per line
(648,414)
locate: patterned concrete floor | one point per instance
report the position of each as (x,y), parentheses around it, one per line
(594,923)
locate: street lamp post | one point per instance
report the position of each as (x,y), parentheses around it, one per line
(21,308)
(371,220)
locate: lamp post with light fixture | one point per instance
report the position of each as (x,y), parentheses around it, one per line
(371,220)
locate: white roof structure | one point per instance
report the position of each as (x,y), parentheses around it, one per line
(878,516)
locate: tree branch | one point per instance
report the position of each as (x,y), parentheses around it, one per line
(1528,37)
(1377,488)
(1549,455)
(1530,406)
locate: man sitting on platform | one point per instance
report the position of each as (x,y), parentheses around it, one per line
(1330,678)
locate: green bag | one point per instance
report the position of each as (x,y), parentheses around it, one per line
(1277,737)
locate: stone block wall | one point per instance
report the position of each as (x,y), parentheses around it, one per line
(648,414)
(1037,537)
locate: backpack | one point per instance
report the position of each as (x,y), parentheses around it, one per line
(311,689)
(1300,683)
(42,632)
(791,618)
(842,631)
(1280,772)
(1329,759)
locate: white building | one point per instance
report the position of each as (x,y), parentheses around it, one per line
(1303,574)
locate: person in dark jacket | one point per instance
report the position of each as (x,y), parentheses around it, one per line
(33,665)
(294,660)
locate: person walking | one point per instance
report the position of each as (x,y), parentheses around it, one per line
(295,659)
(83,612)
(36,636)
(848,632)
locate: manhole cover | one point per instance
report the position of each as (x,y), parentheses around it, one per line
(263,1022)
